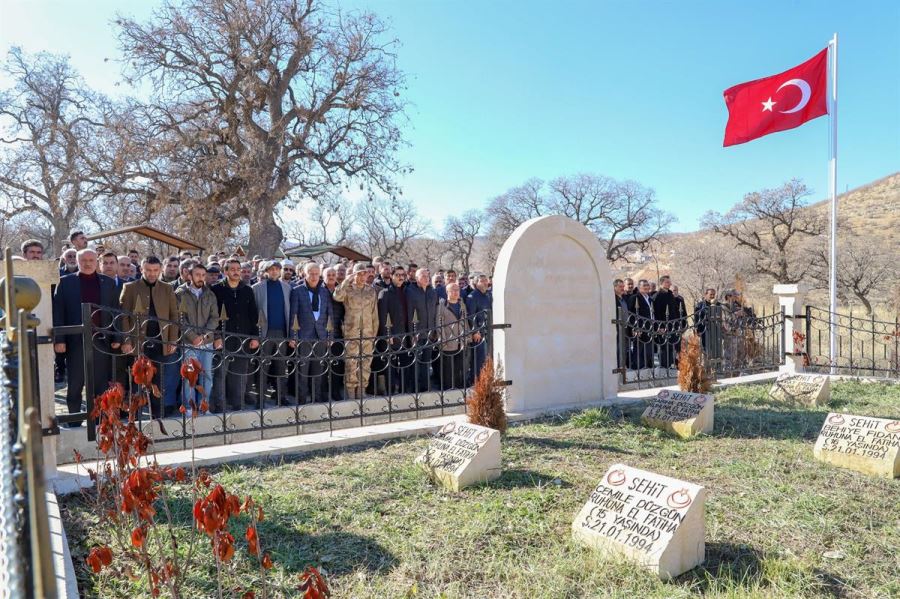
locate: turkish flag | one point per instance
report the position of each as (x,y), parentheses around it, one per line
(777,103)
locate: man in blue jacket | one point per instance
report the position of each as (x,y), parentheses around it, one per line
(311,314)
(478,305)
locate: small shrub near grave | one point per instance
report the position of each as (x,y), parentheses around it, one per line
(485,404)
(692,374)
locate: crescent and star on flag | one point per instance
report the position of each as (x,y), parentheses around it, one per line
(805,90)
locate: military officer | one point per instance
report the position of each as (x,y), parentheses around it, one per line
(360,327)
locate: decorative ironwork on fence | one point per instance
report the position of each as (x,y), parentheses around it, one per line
(865,346)
(736,340)
(26,564)
(253,384)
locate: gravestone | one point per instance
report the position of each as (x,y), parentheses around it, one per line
(806,389)
(680,413)
(553,286)
(653,520)
(862,443)
(462,454)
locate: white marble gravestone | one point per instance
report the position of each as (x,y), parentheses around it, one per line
(462,454)
(680,413)
(650,519)
(806,389)
(862,443)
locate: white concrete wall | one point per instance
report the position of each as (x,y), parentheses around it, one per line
(46,274)
(553,285)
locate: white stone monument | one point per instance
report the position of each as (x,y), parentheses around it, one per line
(806,389)
(653,520)
(46,274)
(862,443)
(680,413)
(553,286)
(462,454)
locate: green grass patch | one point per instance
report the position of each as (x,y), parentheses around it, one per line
(374,523)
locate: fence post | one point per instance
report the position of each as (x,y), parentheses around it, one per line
(792,299)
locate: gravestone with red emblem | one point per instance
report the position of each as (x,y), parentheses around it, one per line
(462,454)
(862,443)
(680,413)
(650,519)
(805,389)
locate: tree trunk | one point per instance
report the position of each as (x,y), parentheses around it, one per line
(865,302)
(60,237)
(265,234)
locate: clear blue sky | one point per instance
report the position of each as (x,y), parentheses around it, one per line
(507,90)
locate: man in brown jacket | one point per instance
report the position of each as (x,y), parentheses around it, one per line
(150,327)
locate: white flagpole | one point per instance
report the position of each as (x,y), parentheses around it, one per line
(832,171)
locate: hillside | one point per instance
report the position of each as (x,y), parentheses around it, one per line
(870,212)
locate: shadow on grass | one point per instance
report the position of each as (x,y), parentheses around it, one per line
(548,443)
(518,478)
(737,421)
(728,565)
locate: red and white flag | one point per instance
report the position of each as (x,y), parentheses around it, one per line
(777,103)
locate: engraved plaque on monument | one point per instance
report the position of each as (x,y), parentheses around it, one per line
(651,519)
(868,445)
(462,454)
(680,413)
(806,389)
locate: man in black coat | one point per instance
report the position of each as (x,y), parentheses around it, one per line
(621,310)
(90,287)
(336,369)
(641,306)
(665,312)
(240,331)
(394,304)
(422,304)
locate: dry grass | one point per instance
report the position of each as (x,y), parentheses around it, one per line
(375,524)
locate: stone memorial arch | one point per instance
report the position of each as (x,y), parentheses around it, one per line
(553,285)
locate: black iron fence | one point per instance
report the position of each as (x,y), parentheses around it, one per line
(252,384)
(736,340)
(864,345)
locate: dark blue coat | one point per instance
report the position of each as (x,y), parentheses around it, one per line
(67,303)
(301,310)
(477,304)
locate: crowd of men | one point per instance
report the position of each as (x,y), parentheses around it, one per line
(654,319)
(319,332)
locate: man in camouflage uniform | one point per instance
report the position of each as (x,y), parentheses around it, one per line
(360,320)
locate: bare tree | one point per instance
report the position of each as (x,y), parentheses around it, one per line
(777,228)
(252,100)
(331,221)
(863,271)
(622,214)
(427,251)
(387,225)
(460,234)
(700,262)
(49,121)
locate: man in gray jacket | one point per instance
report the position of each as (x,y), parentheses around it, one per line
(199,312)
(273,300)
